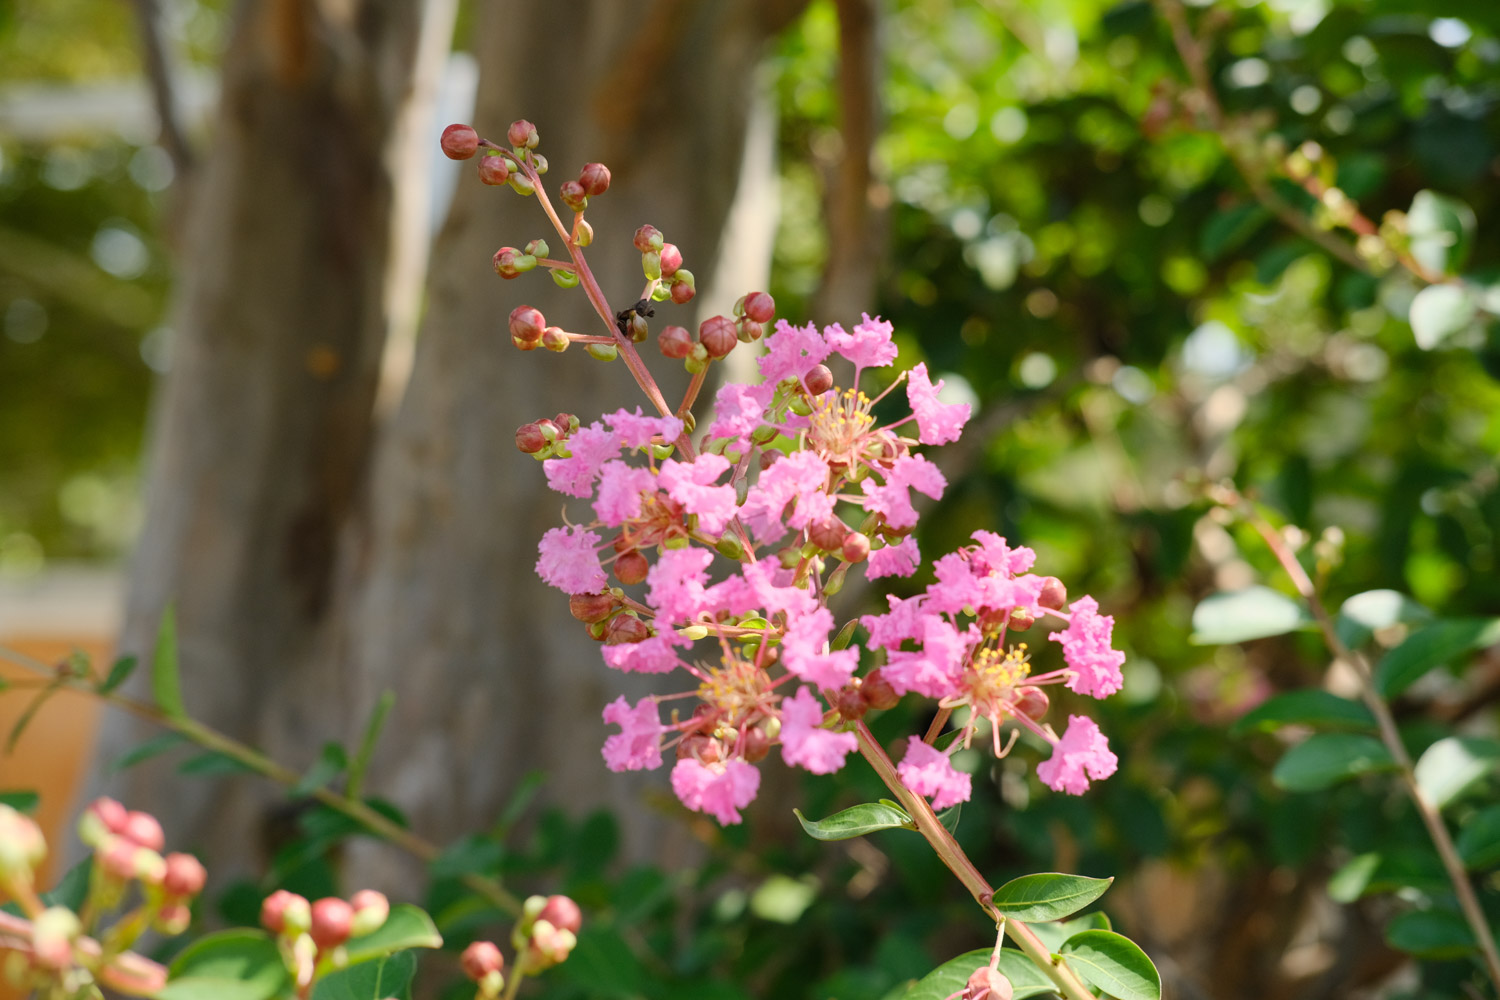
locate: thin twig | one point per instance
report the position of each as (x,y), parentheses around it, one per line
(163,92)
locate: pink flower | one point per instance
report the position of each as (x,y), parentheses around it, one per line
(892,500)
(928,771)
(807,745)
(964,580)
(568,561)
(692,485)
(739,409)
(901,559)
(675,584)
(903,621)
(764,586)
(590,448)
(801,476)
(999,557)
(1086,647)
(804,651)
(1083,748)
(719,789)
(934,670)
(638,744)
(636,431)
(621,487)
(656,655)
(869,346)
(792,351)
(938,422)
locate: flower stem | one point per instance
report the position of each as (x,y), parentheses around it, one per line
(952,855)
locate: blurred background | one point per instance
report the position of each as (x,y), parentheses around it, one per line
(253,363)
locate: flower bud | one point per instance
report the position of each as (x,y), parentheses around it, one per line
(285,913)
(602,352)
(555,339)
(522,133)
(760,307)
(856,547)
(851,703)
(626,629)
(756,745)
(505,262)
(550,430)
(116,856)
(987,984)
(716,334)
(493,170)
(527,324)
(539,163)
(1032,702)
(22,846)
(143,829)
(103,816)
(521,184)
(595,178)
(671,259)
(173,918)
(1021,619)
(592,607)
(583,233)
(651,265)
(638,328)
(631,567)
(573,195)
(52,936)
(1054,594)
(877,691)
(480,959)
(683,286)
(184,875)
(562,913)
(819,380)
(649,239)
(459,142)
(371,910)
(332,921)
(548,946)
(828,534)
(538,249)
(699,747)
(748,330)
(675,342)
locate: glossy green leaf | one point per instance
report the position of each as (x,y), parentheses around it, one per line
(408,926)
(1430,934)
(1242,615)
(1364,614)
(1048,895)
(1432,646)
(118,674)
(1439,312)
(1113,963)
(939,984)
(1053,933)
(387,977)
(1479,840)
(1320,709)
(1451,766)
(1326,759)
(856,821)
(166,684)
(1441,230)
(230,965)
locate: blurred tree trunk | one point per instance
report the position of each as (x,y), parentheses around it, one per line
(493,677)
(261,431)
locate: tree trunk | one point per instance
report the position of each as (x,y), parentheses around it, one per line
(493,677)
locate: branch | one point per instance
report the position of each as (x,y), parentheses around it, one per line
(163,93)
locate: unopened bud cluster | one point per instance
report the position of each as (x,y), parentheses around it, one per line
(544,937)
(311,935)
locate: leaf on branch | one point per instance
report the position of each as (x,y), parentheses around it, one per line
(1113,963)
(166,685)
(1048,895)
(1242,615)
(1325,759)
(856,821)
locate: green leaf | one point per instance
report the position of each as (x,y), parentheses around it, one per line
(408,926)
(856,821)
(1451,766)
(474,853)
(949,818)
(71,890)
(1479,840)
(212,765)
(1230,228)
(939,984)
(1054,933)
(1430,934)
(230,965)
(366,750)
(1441,230)
(388,977)
(20,801)
(1048,895)
(1389,871)
(1241,615)
(1316,708)
(29,713)
(1364,614)
(118,674)
(153,747)
(1113,963)
(1350,881)
(845,636)
(1326,759)
(329,765)
(1438,312)
(166,685)
(605,965)
(1432,646)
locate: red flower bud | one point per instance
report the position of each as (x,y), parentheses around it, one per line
(371,910)
(760,307)
(819,380)
(828,534)
(1032,702)
(530,439)
(480,959)
(332,919)
(562,913)
(648,239)
(527,323)
(505,262)
(987,984)
(683,291)
(625,629)
(554,338)
(716,334)
(675,342)
(278,906)
(749,331)
(143,829)
(877,691)
(595,178)
(118,858)
(573,195)
(1054,594)
(1020,620)
(856,547)
(851,703)
(671,259)
(493,170)
(756,745)
(111,814)
(631,567)
(185,876)
(592,607)
(459,142)
(522,133)
(697,746)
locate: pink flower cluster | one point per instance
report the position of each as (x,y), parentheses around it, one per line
(769,494)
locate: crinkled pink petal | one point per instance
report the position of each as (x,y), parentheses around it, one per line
(635,430)
(868,346)
(892,499)
(904,620)
(761,586)
(938,423)
(692,485)
(806,745)
(792,351)
(721,790)
(804,651)
(675,585)
(1000,557)
(901,559)
(1086,647)
(637,746)
(590,447)
(928,771)
(739,409)
(801,476)
(1081,754)
(621,488)
(656,655)
(936,669)
(965,581)
(568,560)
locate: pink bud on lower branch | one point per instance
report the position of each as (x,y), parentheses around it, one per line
(683,286)
(671,259)
(562,913)
(459,142)
(760,307)
(717,336)
(480,959)
(856,547)
(631,567)
(819,380)
(332,922)
(554,338)
(285,912)
(493,170)
(527,324)
(675,342)
(595,178)
(648,239)
(625,629)
(1054,594)
(592,607)
(184,875)
(573,195)
(371,910)
(522,134)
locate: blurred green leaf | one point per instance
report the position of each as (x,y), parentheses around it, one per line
(1441,311)
(166,685)
(1441,230)
(949,978)
(1431,646)
(1430,934)
(228,965)
(1479,839)
(118,674)
(1451,766)
(1242,615)
(1362,615)
(1317,708)
(387,977)
(1326,759)
(408,926)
